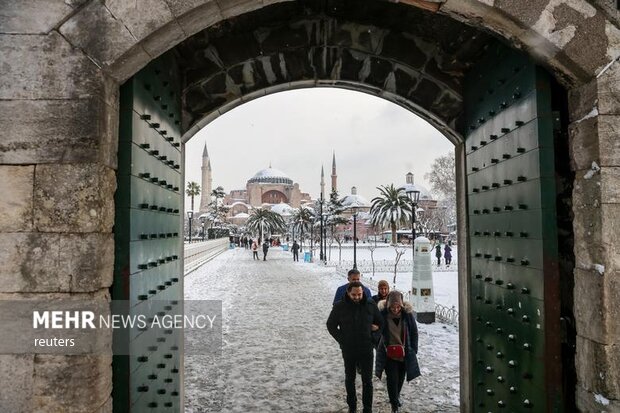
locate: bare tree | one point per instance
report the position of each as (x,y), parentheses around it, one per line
(371,247)
(399,254)
(442,178)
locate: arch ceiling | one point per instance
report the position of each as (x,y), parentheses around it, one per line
(407,55)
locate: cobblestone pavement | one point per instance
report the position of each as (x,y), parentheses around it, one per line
(277,355)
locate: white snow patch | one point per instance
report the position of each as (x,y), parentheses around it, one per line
(593,169)
(591,114)
(600,399)
(599,268)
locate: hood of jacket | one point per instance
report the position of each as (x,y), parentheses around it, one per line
(407,307)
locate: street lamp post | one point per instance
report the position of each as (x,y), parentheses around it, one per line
(190,215)
(321,228)
(354,209)
(325,240)
(414,197)
(312,241)
(301,237)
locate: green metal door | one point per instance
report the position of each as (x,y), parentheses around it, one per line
(148,239)
(514,298)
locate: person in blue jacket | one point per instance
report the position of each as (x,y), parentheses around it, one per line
(398,347)
(352,276)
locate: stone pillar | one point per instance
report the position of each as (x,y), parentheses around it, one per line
(57,162)
(595,158)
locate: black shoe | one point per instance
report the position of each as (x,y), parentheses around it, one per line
(399,403)
(352,410)
(395,409)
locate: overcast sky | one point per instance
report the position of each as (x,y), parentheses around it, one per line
(376,142)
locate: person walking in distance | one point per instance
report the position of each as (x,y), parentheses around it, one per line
(438,254)
(265,249)
(295,249)
(398,347)
(352,322)
(447,254)
(255,250)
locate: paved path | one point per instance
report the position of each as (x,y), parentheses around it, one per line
(277,355)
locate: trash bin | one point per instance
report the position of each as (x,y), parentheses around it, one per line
(284,247)
(307,256)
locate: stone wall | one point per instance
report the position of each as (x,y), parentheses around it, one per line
(62,63)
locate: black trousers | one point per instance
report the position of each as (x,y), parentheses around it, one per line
(364,361)
(255,255)
(264,255)
(295,256)
(395,377)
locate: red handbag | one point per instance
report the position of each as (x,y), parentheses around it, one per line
(395,352)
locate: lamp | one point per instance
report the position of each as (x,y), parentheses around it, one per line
(354,208)
(190,215)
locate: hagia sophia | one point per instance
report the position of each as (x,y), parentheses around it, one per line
(273,189)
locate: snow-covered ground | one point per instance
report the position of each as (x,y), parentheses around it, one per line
(277,355)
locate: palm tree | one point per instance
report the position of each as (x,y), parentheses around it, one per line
(390,208)
(302,219)
(263,221)
(193,189)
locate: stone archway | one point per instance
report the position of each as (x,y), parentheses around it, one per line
(68,63)
(273,197)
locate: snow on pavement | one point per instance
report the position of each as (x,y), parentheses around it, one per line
(277,355)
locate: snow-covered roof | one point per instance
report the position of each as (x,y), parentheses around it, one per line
(271,175)
(424,193)
(350,201)
(241,215)
(239,203)
(282,209)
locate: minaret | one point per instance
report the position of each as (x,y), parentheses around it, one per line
(322,183)
(409,178)
(207,181)
(334,175)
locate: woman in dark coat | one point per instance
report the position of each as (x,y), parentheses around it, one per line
(438,254)
(447,254)
(399,329)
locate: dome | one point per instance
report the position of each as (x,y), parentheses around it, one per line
(282,209)
(355,200)
(424,193)
(271,176)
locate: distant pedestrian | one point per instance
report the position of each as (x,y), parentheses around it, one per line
(352,322)
(295,249)
(255,250)
(352,276)
(447,254)
(265,250)
(398,347)
(383,289)
(438,254)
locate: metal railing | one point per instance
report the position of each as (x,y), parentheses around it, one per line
(447,315)
(404,266)
(199,253)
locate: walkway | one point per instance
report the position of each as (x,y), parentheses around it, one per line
(277,355)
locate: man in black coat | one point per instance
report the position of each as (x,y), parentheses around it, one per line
(265,249)
(295,249)
(352,322)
